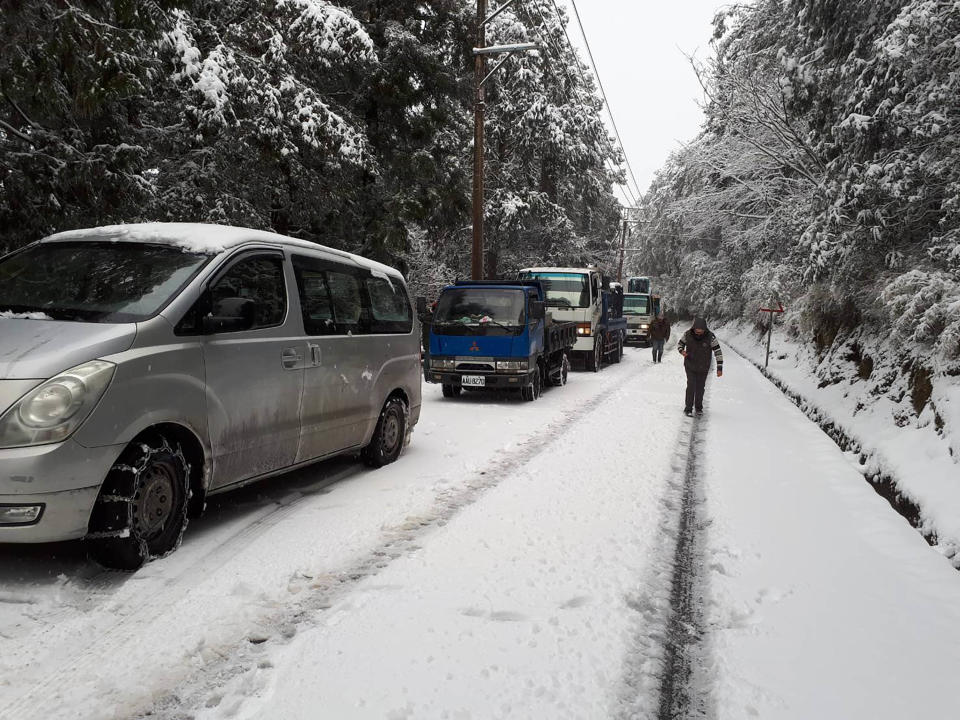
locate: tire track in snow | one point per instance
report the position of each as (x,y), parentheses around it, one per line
(665,675)
(41,700)
(682,693)
(244,664)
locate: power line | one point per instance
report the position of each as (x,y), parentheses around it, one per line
(624,189)
(603,92)
(583,77)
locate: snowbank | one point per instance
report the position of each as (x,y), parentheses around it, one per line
(904,424)
(823,603)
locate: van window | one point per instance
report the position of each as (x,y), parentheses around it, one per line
(260,279)
(389,307)
(315,300)
(331,297)
(347,301)
(95,282)
(338,299)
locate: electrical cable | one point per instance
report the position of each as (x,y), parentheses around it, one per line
(603,92)
(632,199)
(573,87)
(596,71)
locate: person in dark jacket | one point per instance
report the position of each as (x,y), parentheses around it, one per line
(659,334)
(696,346)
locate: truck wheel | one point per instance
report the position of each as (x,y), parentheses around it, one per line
(618,351)
(560,377)
(541,379)
(141,511)
(389,435)
(530,391)
(596,360)
(451,391)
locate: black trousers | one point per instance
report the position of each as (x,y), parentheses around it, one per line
(696,383)
(657,347)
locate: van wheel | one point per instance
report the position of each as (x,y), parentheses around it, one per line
(141,511)
(389,436)
(451,391)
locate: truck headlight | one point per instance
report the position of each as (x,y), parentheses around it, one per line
(443,363)
(644,327)
(583,329)
(53,411)
(512,366)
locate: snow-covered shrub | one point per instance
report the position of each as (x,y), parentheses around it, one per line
(924,310)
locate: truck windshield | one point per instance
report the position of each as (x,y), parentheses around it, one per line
(638,285)
(480,311)
(563,290)
(636,305)
(100,282)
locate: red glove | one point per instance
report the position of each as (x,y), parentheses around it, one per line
(719,373)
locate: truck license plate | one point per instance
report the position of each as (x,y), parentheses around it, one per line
(473,380)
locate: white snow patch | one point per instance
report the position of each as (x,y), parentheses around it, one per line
(8,315)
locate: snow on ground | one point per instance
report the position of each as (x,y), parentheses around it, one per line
(518,607)
(79,643)
(879,417)
(825,603)
(512,563)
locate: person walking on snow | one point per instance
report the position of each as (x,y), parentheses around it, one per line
(659,334)
(696,345)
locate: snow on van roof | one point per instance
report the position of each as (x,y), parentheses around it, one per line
(206,238)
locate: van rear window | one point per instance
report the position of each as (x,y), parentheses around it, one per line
(337,299)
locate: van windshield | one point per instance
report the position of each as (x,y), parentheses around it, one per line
(101,282)
(563,290)
(480,311)
(636,305)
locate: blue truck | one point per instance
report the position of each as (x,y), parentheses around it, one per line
(493,335)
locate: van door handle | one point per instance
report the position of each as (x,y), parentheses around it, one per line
(315,355)
(290,358)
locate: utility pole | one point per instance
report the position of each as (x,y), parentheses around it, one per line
(623,246)
(480,52)
(479,70)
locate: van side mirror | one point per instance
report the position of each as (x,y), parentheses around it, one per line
(421,305)
(230,315)
(538,311)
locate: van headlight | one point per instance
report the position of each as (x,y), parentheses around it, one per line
(52,412)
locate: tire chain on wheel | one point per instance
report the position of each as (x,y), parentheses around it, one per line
(112,516)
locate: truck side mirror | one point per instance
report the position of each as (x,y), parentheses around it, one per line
(421,305)
(538,310)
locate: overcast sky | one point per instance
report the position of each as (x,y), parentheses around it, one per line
(640,47)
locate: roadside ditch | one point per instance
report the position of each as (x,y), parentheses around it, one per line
(883,482)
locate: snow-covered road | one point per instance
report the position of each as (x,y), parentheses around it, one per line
(517,561)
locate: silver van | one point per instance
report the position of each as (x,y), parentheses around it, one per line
(145,367)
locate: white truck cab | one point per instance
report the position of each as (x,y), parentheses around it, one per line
(572,294)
